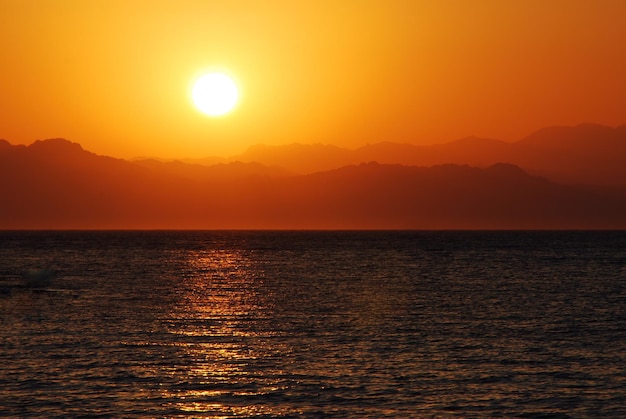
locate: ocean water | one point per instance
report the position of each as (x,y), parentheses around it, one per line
(314,324)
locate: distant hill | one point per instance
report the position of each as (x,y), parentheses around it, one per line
(585,154)
(56,184)
(300,158)
(231,171)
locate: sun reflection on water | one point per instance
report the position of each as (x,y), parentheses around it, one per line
(214,377)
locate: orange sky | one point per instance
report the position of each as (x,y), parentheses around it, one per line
(115,75)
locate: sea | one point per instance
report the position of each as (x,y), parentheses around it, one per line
(313,324)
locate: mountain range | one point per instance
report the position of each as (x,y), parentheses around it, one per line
(584,154)
(556,178)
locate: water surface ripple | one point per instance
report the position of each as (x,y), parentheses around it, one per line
(314,324)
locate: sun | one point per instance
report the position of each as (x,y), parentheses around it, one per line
(215,94)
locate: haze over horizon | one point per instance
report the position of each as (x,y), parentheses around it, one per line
(251,149)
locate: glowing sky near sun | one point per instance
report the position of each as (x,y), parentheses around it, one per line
(116,76)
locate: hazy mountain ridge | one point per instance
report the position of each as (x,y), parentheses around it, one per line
(231,170)
(584,154)
(57,184)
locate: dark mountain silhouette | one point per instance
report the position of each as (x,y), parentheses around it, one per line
(4,145)
(585,154)
(56,184)
(453,196)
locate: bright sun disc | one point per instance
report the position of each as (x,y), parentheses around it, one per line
(215,94)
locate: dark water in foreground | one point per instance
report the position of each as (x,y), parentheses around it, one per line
(314,324)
